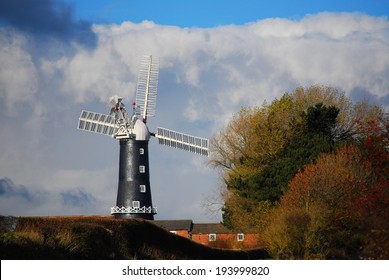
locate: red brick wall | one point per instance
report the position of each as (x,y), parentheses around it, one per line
(228,240)
(183,233)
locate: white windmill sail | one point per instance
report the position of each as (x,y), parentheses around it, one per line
(146,92)
(182,141)
(97,123)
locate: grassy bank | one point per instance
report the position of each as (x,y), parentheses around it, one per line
(101,238)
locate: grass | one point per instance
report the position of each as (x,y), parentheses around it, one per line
(92,237)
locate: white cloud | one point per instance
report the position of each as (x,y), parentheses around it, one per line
(206,75)
(18,75)
(236,64)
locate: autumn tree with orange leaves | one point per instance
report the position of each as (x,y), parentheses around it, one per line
(342,205)
(310,171)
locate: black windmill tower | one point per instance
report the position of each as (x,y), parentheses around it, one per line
(134,192)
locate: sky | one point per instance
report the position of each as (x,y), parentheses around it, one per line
(60,57)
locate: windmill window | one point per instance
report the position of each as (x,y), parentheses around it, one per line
(142,169)
(141,151)
(212,237)
(142,188)
(135,204)
(240,236)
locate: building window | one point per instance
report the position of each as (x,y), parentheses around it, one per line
(173,231)
(142,188)
(240,236)
(212,237)
(141,151)
(142,169)
(135,204)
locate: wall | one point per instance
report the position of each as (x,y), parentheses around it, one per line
(182,232)
(228,240)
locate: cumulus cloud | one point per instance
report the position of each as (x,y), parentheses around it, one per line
(18,74)
(238,65)
(206,75)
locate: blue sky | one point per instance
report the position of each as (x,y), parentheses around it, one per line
(58,58)
(211,13)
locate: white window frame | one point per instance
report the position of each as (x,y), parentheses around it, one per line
(142,168)
(136,204)
(142,188)
(212,237)
(141,151)
(173,231)
(240,237)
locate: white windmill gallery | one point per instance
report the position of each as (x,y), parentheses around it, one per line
(134,192)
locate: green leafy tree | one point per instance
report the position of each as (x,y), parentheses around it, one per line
(313,137)
(262,148)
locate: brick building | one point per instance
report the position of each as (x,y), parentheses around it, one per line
(211,234)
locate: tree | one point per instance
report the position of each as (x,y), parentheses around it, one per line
(262,148)
(373,206)
(243,213)
(312,137)
(252,138)
(250,141)
(335,196)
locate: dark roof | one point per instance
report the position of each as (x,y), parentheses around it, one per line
(174,224)
(210,228)
(205,228)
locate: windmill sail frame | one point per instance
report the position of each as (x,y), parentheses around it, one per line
(146,92)
(97,123)
(182,141)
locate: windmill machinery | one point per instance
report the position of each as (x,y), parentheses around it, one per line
(134,192)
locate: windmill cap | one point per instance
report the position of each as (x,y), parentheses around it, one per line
(141,131)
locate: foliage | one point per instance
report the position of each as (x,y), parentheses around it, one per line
(314,136)
(244,213)
(311,173)
(251,139)
(261,149)
(336,197)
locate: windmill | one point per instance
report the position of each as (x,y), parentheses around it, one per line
(134,192)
